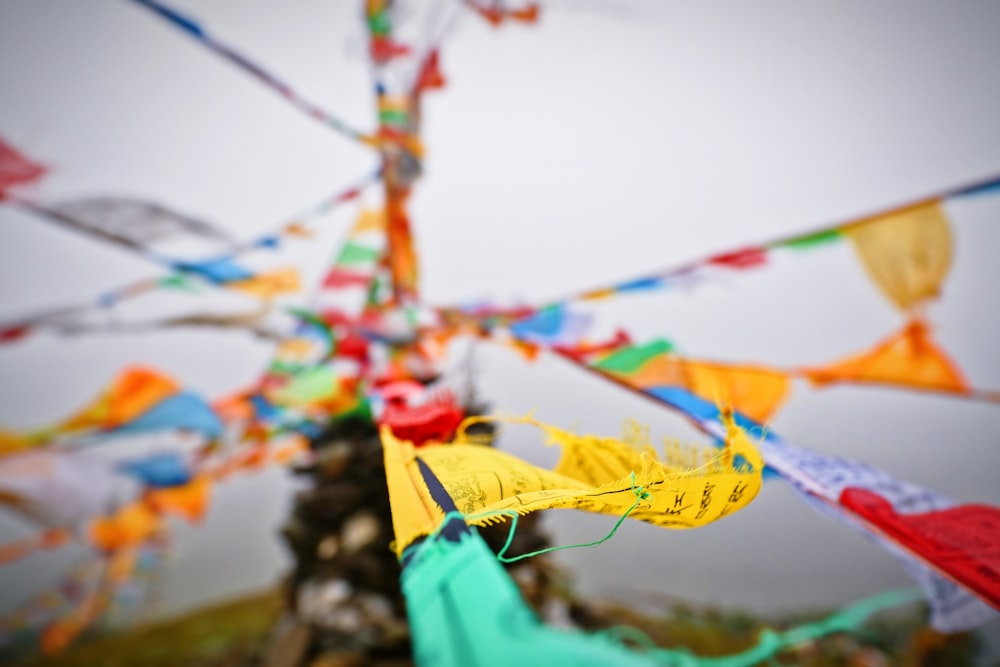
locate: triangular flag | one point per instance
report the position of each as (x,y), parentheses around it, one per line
(906,253)
(909,358)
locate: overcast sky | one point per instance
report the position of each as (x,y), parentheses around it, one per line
(609,140)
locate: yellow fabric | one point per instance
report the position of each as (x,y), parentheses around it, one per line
(11,442)
(369,220)
(271,284)
(414,512)
(906,253)
(594,474)
(755,392)
(908,358)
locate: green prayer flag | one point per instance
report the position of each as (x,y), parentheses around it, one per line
(352,253)
(811,240)
(311,385)
(631,359)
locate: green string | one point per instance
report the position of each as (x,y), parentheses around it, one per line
(640,495)
(769,642)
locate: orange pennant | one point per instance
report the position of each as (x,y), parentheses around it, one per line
(129,527)
(132,393)
(755,392)
(908,358)
(189,501)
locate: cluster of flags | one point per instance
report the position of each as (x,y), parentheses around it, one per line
(368,347)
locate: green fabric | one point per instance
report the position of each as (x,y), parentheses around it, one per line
(771,643)
(310,385)
(812,240)
(631,359)
(380,24)
(353,253)
(284,368)
(465,611)
(393,117)
(320,325)
(179,281)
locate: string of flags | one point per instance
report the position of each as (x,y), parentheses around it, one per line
(368,347)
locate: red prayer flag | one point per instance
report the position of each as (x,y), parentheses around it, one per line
(962,541)
(748,258)
(16,169)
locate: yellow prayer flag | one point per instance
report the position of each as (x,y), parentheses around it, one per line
(906,253)
(603,475)
(369,220)
(271,284)
(414,512)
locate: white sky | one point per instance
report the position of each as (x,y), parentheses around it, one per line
(609,140)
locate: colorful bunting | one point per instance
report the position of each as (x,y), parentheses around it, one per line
(372,347)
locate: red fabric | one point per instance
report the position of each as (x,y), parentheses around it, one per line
(431,422)
(748,258)
(336,318)
(16,169)
(383,48)
(430,74)
(397,392)
(353,346)
(338,277)
(349,195)
(16,332)
(583,351)
(963,542)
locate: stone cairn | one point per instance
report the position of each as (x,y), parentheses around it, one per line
(344,606)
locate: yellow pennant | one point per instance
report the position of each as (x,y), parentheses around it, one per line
(369,220)
(688,489)
(271,284)
(906,253)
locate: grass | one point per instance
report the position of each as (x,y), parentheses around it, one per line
(224,635)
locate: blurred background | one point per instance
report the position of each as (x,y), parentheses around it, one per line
(607,140)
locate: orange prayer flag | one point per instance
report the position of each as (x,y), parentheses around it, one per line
(402,255)
(129,527)
(132,393)
(908,358)
(298,230)
(906,253)
(757,392)
(234,407)
(189,501)
(60,634)
(286,452)
(527,14)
